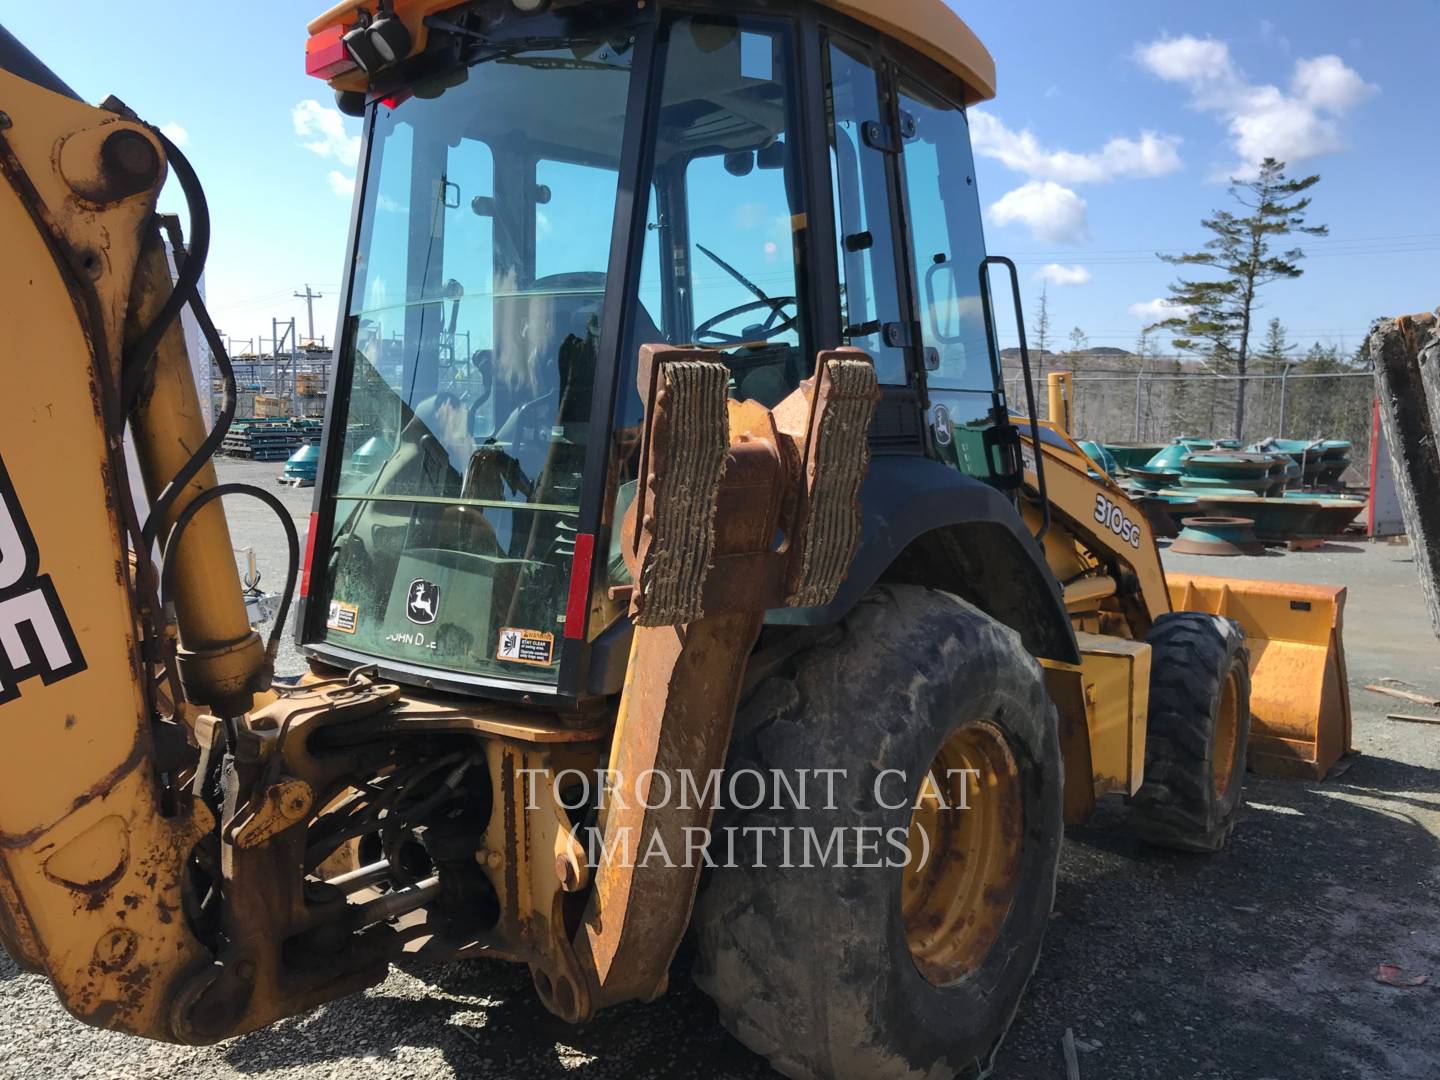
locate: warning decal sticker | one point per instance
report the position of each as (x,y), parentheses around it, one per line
(525,646)
(342,617)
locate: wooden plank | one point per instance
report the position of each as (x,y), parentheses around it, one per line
(1072,1061)
(1390,691)
(1406,356)
(1409,718)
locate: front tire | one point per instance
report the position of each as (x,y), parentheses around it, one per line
(1197,734)
(880,972)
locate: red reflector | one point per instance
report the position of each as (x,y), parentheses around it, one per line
(390,102)
(579,602)
(326,55)
(309,555)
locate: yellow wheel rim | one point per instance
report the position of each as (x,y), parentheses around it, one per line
(965,841)
(1227,739)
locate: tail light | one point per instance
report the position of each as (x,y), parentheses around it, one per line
(579,600)
(326,55)
(309,556)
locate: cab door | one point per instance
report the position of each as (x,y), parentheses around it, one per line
(875,313)
(964,389)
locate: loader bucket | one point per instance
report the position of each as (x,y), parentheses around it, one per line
(1299,693)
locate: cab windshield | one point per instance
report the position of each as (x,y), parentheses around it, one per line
(471,344)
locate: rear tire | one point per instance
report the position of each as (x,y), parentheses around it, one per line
(819,969)
(1197,734)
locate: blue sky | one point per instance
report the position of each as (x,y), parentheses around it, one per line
(1114,127)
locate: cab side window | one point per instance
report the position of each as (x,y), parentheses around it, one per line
(948,246)
(870,295)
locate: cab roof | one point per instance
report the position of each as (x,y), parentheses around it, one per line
(929,27)
(932,29)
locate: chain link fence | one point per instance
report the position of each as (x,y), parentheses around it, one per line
(1165,399)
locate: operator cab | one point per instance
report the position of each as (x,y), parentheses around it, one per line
(542,193)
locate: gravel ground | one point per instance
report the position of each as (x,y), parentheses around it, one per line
(1255,963)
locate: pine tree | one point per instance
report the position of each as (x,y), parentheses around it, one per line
(1274,358)
(1145,351)
(1218,311)
(1041,333)
(1275,348)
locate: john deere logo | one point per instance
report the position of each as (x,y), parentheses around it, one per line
(424,601)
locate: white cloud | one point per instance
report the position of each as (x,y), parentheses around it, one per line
(1149,155)
(175,133)
(342,185)
(1153,311)
(1187,59)
(321,130)
(1326,83)
(1057,274)
(1054,213)
(1263,120)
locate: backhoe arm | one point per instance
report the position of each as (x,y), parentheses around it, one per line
(96,830)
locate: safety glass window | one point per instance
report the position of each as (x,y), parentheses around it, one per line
(869,293)
(946,237)
(722,264)
(472,339)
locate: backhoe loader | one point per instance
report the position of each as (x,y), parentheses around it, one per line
(677,563)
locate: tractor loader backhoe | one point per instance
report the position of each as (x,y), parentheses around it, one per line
(670,517)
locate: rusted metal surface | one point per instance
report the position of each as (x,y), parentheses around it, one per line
(217,916)
(91,872)
(681,463)
(793,471)
(1218,536)
(108,163)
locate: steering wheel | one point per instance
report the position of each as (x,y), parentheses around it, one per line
(774,325)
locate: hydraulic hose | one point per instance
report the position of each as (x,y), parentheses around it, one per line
(137,364)
(292,539)
(206,450)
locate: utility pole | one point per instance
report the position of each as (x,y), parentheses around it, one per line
(310,298)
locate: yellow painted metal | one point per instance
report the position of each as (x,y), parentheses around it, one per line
(1065,683)
(1059,388)
(89,868)
(1299,693)
(1117,700)
(1087,593)
(964,841)
(221,656)
(1227,738)
(1095,522)
(930,27)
